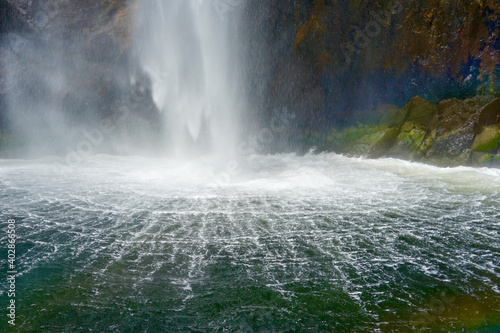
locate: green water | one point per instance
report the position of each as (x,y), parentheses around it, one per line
(289,244)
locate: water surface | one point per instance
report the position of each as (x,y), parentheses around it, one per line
(319,243)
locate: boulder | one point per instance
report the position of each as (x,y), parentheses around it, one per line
(385,143)
(392,116)
(450,138)
(454,113)
(488,115)
(443,134)
(419,114)
(483,159)
(488,140)
(408,143)
(453,146)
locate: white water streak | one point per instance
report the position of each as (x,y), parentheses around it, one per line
(186,50)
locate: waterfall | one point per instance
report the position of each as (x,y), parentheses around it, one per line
(187,50)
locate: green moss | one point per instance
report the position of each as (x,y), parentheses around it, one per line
(419,114)
(371,138)
(376,129)
(444,135)
(408,143)
(354,133)
(416,137)
(354,140)
(407,127)
(488,140)
(427,142)
(386,142)
(481,159)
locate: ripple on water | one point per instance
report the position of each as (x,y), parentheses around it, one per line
(294,243)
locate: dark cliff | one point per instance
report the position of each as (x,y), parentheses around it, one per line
(325,66)
(70,61)
(334,64)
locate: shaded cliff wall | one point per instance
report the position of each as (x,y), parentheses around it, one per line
(66,66)
(331,62)
(312,65)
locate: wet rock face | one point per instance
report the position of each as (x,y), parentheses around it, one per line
(10,18)
(358,54)
(453,113)
(489,115)
(87,39)
(455,132)
(452,146)
(488,140)
(71,57)
(382,146)
(419,114)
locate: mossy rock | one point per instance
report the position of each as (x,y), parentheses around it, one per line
(371,137)
(419,114)
(452,145)
(488,140)
(454,113)
(385,143)
(410,141)
(428,140)
(391,115)
(354,133)
(442,134)
(489,115)
(495,161)
(455,143)
(482,159)
(359,149)
(451,134)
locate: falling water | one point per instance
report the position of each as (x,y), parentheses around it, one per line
(185,48)
(314,243)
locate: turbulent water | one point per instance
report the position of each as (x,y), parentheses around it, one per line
(317,243)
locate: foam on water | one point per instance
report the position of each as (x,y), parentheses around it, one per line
(324,238)
(271,172)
